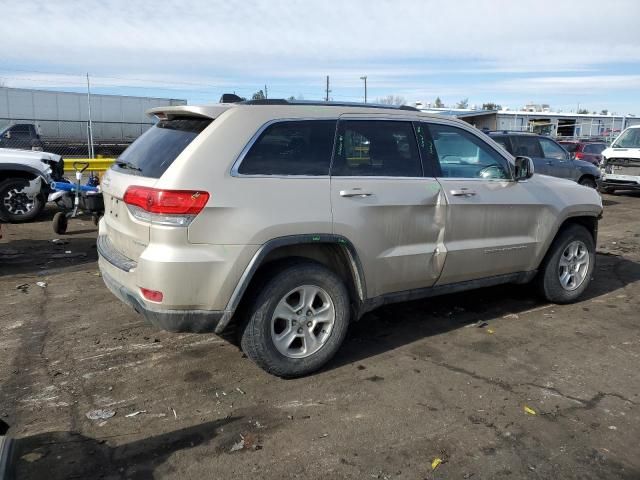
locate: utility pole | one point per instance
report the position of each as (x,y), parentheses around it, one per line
(365,87)
(90,126)
(326,97)
(266,92)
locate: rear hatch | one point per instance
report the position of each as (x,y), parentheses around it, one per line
(142,164)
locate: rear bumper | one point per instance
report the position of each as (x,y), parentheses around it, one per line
(196,321)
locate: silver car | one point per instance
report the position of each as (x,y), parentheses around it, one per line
(289,220)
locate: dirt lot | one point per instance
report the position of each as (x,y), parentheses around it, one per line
(414,381)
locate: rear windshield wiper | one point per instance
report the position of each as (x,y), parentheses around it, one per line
(128,165)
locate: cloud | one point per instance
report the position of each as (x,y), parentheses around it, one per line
(237,37)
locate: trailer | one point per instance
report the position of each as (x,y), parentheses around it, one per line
(58,122)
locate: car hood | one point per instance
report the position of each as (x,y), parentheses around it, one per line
(14,155)
(611,152)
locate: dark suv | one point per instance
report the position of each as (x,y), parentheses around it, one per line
(548,156)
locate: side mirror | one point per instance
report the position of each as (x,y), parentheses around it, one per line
(7,135)
(524,168)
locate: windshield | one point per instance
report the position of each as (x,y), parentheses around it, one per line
(630,138)
(156,149)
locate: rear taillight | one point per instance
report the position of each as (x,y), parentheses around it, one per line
(152,295)
(165,207)
(579,156)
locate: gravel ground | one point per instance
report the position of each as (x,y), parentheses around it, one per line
(448,378)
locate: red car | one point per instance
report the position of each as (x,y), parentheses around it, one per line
(584,150)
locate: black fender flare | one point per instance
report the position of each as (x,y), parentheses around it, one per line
(355,267)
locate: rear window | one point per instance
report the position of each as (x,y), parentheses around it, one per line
(291,148)
(156,149)
(569,146)
(596,148)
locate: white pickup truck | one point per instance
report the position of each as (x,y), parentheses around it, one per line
(25,182)
(621,162)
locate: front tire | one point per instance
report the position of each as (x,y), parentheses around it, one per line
(15,205)
(298,320)
(588,182)
(566,271)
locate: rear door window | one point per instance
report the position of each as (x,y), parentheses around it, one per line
(300,147)
(156,149)
(526,146)
(376,148)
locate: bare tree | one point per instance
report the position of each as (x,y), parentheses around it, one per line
(259,95)
(391,100)
(491,106)
(437,103)
(464,103)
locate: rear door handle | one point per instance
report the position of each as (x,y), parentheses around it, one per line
(355,192)
(463,192)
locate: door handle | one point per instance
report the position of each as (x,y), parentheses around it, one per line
(355,192)
(549,162)
(463,192)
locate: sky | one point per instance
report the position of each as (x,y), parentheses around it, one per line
(564,53)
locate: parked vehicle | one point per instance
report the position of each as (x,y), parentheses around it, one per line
(289,220)
(548,156)
(57,122)
(621,164)
(25,182)
(588,151)
(25,136)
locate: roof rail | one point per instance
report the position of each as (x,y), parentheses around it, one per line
(282,101)
(524,132)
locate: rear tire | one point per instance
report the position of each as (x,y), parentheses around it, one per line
(308,327)
(15,206)
(566,270)
(60,223)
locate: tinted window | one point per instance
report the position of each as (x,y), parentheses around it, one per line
(291,148)
(21,130)
(503,142)
(463,155)
(525,145)
(156,149)
(376,148)
(552,150)
(596,148)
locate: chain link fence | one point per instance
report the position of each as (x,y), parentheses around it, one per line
(69,138)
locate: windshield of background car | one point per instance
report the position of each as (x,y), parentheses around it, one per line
(630,138)
(156,149)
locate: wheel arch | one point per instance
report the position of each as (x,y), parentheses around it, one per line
(19,171)
(590,222)
(333,251)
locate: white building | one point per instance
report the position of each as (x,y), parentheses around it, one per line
(555,124)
